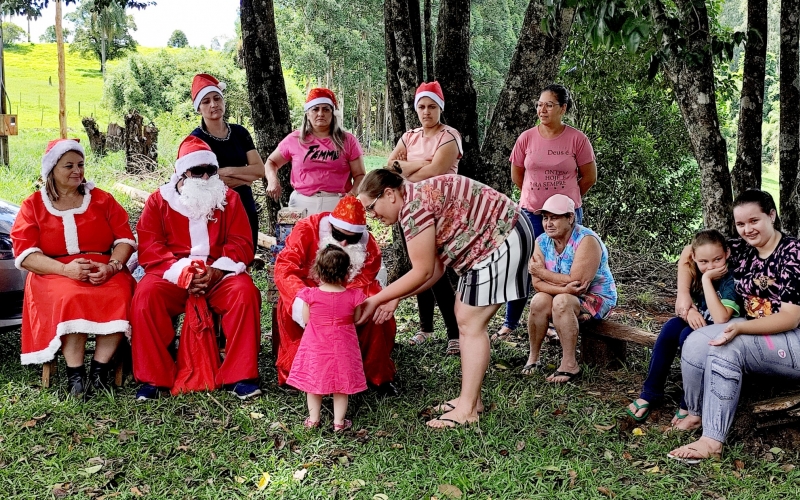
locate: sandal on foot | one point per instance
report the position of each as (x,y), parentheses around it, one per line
(455,423)
(643,406)
(570,376)
(531,368)
(420,338)
(310,424)
(502,337)
(453,348)
(679,415)
(447,407)
(346,424)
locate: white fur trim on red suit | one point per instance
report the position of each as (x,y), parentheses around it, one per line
(198,228)
(21,257)
(68,217)
(50,158)
(174,272)
(195,159)
(205,91)
(319,100)
(126,240)
(297,312)
(438,100)
(230,265)
(74,326)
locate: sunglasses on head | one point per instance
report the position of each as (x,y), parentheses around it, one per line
(350,239)
(202,170)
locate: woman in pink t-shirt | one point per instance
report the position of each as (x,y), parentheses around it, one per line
(424,152)
(550,158)
(327,162)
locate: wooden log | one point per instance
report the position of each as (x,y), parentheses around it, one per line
(48,371)
(141,144)
(614,330)
(604,352)
(115,138)
(97,139)
(781,403)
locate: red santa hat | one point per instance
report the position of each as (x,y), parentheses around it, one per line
(55,150)
(349,215)
(202,84)
(194,152)
(317,96)
(432,90)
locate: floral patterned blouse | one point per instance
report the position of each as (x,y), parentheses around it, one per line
(765,283)
(471,220)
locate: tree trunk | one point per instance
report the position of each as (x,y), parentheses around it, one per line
(693,85)
(103,55)
(747,169)
(141,145)
(268,102)
(4,153)
(790,119)
(62,78)
(401,67)
(534,65)
(415,18)
(453,73)
(97,139)
(430,74)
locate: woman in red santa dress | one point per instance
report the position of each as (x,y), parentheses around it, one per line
(73,239)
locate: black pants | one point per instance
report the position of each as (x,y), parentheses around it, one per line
(443,294)
(246,195)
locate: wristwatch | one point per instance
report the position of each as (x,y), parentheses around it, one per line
(117,265)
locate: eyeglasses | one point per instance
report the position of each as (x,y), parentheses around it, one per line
(370,209)
(549,105)
(350,239)
(202,170)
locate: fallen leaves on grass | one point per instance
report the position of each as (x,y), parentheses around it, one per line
(572,477)
(638,432)
(450,491)
(256,416)
(299,475)
(604,428)
(520,445)
(787,467)
(137,492)
(61,490)
(738,464)
(357,484)
(263,481)
(380,496)
(605,491)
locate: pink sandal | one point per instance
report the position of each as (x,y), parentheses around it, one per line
(343,426)
(310,424)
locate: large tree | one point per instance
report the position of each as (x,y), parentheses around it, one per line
(746,171)
(790,117)
(269,105)
(104,33)
(534,65)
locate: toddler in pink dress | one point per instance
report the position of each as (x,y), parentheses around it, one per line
(328,360)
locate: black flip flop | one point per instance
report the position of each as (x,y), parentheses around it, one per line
(531,369)
(570,376)
(456,423)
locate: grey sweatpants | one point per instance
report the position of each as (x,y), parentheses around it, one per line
(712,375)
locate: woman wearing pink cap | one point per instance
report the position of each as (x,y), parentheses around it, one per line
(327,162)
(73,239)
(430,150)
(239,161)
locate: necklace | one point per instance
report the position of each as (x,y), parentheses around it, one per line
(227,136)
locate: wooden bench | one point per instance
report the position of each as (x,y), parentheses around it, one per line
(604,343)
(119,360)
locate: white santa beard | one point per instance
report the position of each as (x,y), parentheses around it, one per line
(357,254)
(201,197)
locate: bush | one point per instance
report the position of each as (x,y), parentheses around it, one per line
(647,196)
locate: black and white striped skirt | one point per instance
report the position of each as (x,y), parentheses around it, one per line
(503,275)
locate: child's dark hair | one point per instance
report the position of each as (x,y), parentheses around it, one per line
(562,94)
(332,265)
(764,201)
(705,237)
(376,181)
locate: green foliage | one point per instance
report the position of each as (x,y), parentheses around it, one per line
(49,35)
(161,82)
(178,40)
(641,147)
(12,33)
(104,33)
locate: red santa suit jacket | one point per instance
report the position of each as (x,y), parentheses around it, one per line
(292,268)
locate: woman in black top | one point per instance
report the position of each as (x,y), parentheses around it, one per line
(239,161)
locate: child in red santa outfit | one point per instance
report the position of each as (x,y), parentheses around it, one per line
(328,360)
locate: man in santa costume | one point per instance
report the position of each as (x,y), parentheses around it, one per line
(195,217)
(345,227)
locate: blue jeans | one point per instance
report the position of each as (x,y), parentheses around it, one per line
(515,308)
(712,375)
(672,336)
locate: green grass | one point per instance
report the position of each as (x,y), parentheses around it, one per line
(536,440)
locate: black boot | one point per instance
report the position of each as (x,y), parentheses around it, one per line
(98,376)
(76,384)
